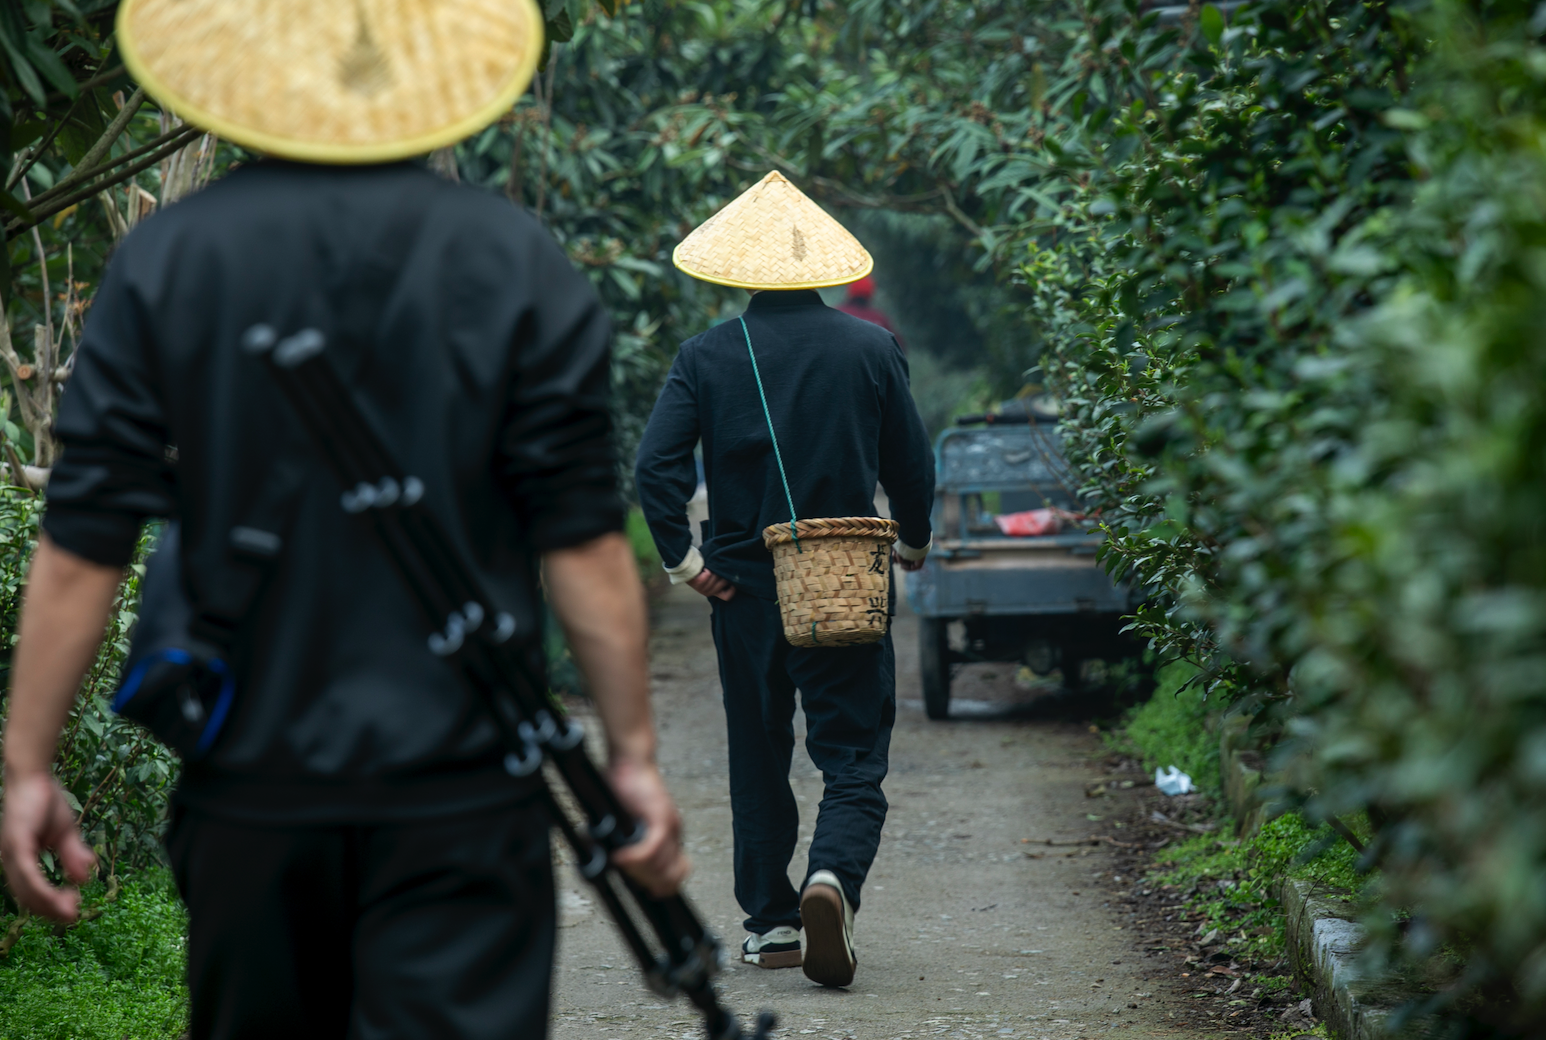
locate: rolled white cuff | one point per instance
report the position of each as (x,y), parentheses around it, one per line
(690,567)
(912,555)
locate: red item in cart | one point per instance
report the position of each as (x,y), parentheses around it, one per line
(1031,523)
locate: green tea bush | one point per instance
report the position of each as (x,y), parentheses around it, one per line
(1293,297)
(115,775)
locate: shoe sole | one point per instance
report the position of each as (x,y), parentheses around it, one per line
(827,958)
(786,959)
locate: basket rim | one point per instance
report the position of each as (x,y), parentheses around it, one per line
(833,527)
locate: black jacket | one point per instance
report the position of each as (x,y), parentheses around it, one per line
(487,369)
(838,394)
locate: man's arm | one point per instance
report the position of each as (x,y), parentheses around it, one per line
(63,616)
(906,466)
(667,478)
(595,591)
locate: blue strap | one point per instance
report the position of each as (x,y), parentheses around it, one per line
(769,417)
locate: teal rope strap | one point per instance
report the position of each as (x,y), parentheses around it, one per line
(793,531)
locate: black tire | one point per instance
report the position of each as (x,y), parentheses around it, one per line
(1073,673)
(934,663)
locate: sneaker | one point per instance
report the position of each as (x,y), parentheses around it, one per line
(779,948)
(829,929)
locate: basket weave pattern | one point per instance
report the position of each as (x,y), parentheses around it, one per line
(834,583)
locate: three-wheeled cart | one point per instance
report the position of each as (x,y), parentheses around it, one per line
(1043,601)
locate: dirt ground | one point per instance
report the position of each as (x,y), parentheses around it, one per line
(972,925)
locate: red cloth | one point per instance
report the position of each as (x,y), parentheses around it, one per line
(868,313)
(1034,522)
(858,304)
(1029,524)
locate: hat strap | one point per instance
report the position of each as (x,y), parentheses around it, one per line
(794,532)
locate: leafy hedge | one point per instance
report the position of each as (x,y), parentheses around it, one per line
(1293,297)
(117,777)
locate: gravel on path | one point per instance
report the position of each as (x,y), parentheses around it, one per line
(967,930)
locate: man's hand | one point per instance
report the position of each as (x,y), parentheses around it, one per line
(62,618)
(657,861)
(905,564)
(37,817)
(712,585)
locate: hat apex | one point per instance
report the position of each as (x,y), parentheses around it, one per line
(772,236)
(350,81)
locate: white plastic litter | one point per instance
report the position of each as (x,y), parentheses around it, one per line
(1172,781)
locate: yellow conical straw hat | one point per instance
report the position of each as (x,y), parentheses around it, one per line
(333,81)
(773,237)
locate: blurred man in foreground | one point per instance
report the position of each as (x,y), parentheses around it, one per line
(355,858)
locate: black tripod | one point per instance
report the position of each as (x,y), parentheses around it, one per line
(477,641)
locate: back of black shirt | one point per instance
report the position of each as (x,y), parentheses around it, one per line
(837,391)
(486,369)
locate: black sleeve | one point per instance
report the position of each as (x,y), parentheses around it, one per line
(906,458)
(666,475)
(114,472)
(556,459)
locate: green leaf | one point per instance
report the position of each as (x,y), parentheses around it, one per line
(1404,119)
(1211,22)
(561,28)
(83,130)
(50,65)
(26,75)
(15,205)
(25,131)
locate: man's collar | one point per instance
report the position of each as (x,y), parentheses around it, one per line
(777,299)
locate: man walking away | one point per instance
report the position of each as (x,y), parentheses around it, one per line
(835,391)
(354,857)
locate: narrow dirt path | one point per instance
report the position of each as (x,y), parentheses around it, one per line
(966,930)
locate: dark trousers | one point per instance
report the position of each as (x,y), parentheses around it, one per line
(439,929)
(849,697)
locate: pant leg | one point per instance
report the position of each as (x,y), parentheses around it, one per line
(270,916)
(442,930)
(849,697)
(759,716)
(456,928)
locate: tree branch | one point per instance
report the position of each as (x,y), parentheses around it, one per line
(87,192)
(33,154)
(95,153)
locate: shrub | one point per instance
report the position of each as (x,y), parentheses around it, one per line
(1294,306)
(115,775)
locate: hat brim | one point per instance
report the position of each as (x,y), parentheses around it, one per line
(325,152)
(822,283)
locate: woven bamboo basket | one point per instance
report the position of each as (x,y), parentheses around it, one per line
(834,581)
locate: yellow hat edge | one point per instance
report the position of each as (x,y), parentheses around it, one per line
(287,148)
(824,283)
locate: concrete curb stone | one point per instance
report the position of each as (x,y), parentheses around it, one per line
(1324,938)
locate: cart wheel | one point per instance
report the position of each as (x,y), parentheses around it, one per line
(1073,673)
(934,663)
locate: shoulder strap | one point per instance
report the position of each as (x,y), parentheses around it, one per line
(793,530)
